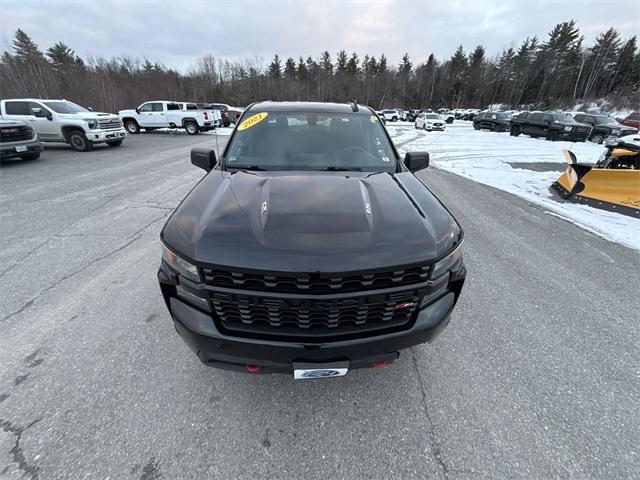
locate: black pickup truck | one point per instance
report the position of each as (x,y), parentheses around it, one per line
(604,126)
(550,125)
(310,247)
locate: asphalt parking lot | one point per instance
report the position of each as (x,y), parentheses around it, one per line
(537,375)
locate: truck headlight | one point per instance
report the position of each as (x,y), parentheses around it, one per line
(91,123)
(180,265)
(615,131)
(567,129)
(449,263)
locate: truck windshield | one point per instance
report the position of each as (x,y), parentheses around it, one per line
(65,107)
(309,141)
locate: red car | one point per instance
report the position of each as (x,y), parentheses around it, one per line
(633,120)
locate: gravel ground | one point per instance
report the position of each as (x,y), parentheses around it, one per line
(537,375)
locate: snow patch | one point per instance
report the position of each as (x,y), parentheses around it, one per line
(492,159)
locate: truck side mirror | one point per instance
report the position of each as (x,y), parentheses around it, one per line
(203,158)
(137,109)
(38,113)
(415,161)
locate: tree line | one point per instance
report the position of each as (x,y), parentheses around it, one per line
(558,71)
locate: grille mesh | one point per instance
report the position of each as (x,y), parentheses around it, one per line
(15,134)
(315,283)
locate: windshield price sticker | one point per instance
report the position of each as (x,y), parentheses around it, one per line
(373,118)
(252,120)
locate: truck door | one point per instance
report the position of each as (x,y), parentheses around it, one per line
(174,115)
(535,125)
(44,122)
(151,115)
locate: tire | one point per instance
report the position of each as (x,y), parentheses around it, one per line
(132,127)
(597,138)
(31,156)
(191,128)
(476,126)
(78,141)
(515,131)
(416,125)
(394,119)
(115,143)
(552,135)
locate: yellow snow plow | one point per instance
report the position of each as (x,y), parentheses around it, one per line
(613,183)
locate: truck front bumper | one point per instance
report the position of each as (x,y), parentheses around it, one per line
(216,349)
(99,136)
(12,150)
(223,349)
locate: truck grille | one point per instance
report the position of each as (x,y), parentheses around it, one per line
(317,284)
(110,123)
(317,304)
(314,317)
(16,134)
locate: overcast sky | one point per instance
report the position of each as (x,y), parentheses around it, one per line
(177,33)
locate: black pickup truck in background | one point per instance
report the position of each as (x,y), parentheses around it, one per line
(552,126)
(603,126)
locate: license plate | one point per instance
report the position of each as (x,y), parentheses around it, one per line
(310,371)
(21,148)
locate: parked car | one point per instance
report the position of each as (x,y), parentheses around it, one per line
(209,113)
(227,118)
(552,126)
(603,126)
(164,114)
(632,120)
(18,140)
(411,115)
(494,121)
(430,122)
(286,246)
(389,115)
(65,122)
(470,114)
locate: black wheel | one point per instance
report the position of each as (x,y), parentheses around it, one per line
(597,138)
(515,131)
(552,135)
(415,125)
(476,126)
(79,141)
(394,119)
(31,156)
(132,127)
(115,143)
(191,128)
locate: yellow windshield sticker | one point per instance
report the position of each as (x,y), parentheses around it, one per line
(373,118)
(252,120)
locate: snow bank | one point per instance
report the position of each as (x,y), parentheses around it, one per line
(493,159)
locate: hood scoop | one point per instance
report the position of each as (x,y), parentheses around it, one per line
(296,212)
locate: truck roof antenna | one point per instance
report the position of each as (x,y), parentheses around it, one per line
(354,106)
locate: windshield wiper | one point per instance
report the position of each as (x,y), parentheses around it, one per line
(342,169)
(247,167)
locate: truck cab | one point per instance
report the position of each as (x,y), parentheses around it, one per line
(61,121)
(165,114)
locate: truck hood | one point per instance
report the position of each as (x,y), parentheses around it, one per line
(91,115)
(310,221)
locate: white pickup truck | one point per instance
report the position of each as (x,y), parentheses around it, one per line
(65,122)
(209,113)
(163,114)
